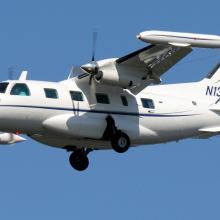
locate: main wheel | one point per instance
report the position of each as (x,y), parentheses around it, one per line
(79,160)
(120,142)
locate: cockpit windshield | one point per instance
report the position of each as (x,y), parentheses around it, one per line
(20,89)
(3,87)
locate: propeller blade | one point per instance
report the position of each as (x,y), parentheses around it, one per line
(91,68)
(90,79)
(75,71)
(93,85)
(94,40)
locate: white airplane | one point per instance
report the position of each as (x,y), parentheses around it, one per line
(113,104)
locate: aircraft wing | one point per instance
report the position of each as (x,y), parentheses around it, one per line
(152,62)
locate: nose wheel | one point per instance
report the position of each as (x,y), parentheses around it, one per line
(79,159)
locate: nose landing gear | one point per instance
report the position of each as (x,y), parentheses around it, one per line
(79,159)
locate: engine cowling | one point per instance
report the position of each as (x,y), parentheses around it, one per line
(111,73)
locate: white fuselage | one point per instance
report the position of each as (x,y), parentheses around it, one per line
(181,111)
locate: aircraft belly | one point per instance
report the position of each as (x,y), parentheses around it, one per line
(169,128)
(141,130)
(79,143)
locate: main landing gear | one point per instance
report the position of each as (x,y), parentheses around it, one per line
(119,140)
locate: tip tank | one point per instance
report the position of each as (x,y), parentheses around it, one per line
(180,39)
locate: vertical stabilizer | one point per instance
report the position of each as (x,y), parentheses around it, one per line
(214,75)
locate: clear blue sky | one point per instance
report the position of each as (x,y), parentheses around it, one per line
(168,181)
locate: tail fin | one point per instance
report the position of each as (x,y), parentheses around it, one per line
(211,88)
(214,76)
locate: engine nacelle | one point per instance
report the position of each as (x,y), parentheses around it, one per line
(121,75)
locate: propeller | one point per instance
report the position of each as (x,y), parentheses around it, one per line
(92,68)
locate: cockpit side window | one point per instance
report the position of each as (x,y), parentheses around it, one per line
(20,89)
(3,87)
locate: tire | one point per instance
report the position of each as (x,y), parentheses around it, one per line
(120,142)
(79,161)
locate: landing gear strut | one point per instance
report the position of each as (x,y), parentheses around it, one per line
(119,140)
(79,159)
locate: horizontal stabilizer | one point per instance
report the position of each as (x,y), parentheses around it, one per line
(215,107)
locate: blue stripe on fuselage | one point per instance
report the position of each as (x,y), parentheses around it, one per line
(98,111)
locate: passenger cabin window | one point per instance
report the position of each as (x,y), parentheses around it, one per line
(20,89)
(3,87)
(148,103)
(76,95)
(51,93)
(124,100)
(102,98)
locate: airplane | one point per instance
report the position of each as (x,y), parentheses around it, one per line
(115,103)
